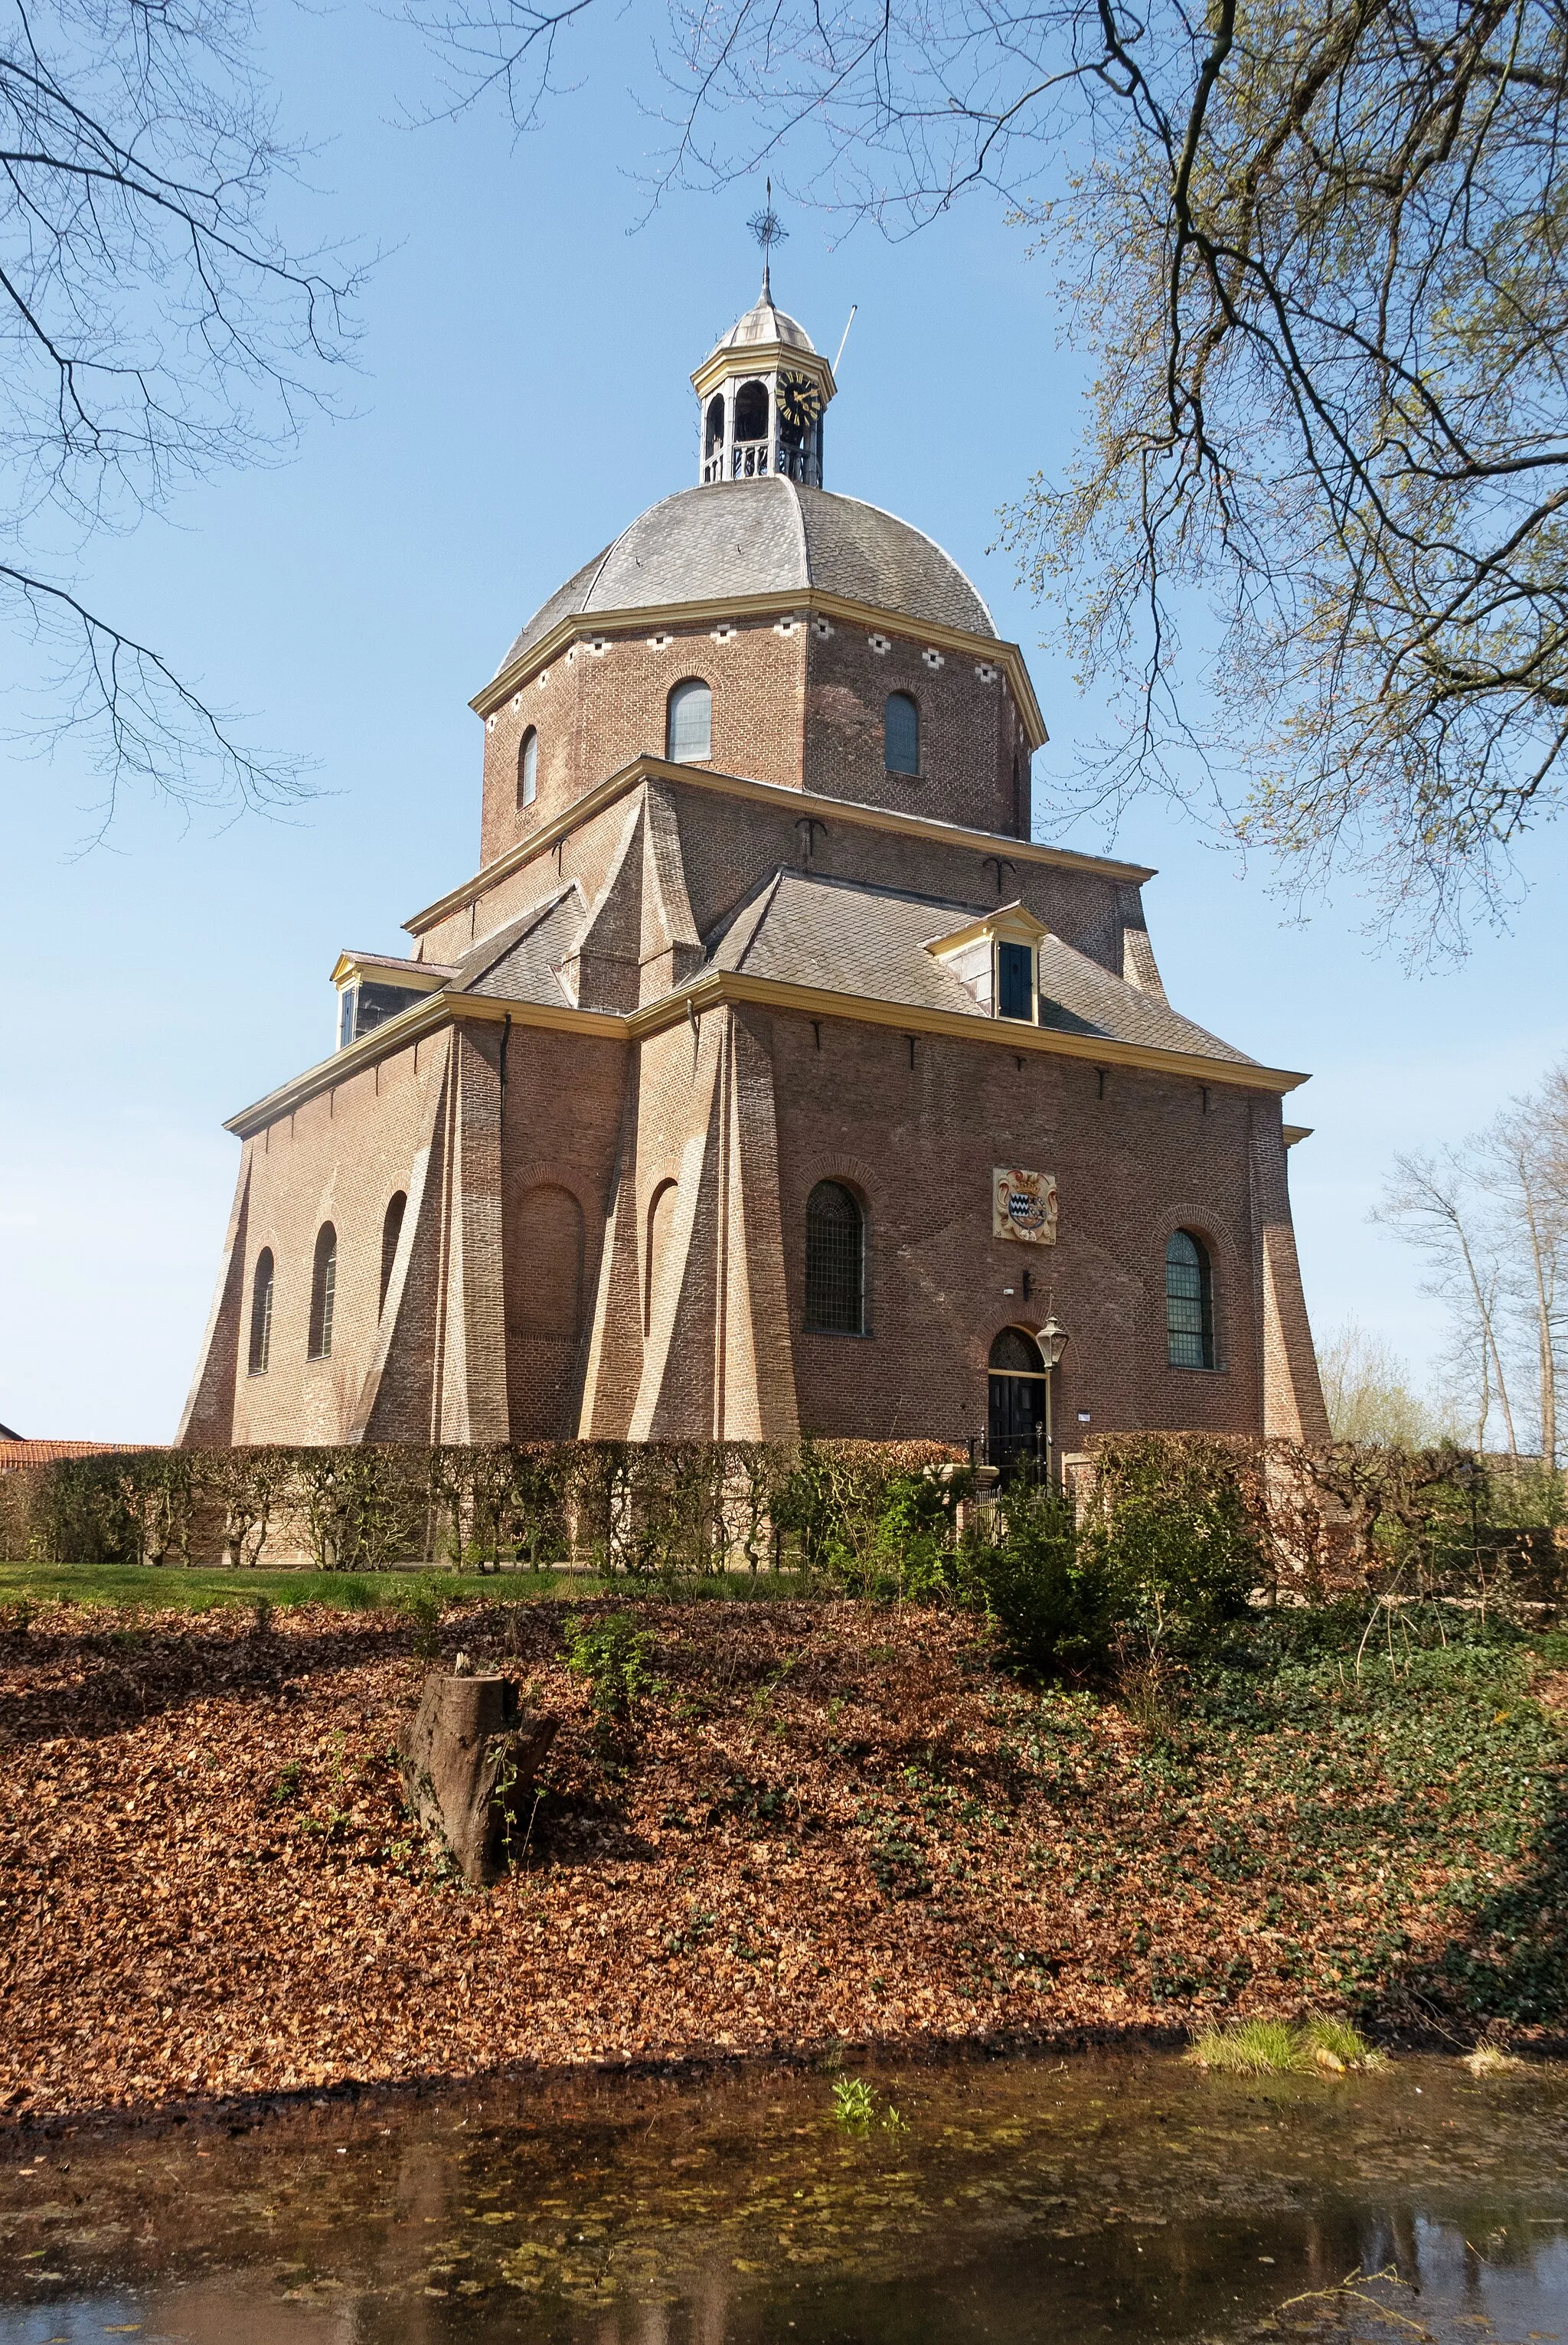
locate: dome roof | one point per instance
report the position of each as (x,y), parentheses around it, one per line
(764,323)
(771,536)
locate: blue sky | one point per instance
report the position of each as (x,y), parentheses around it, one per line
(521,394)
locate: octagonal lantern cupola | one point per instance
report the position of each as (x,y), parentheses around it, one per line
(761,394)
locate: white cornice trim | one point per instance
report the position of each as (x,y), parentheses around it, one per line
(578,627)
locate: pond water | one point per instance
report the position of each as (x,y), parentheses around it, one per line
(1011,2199)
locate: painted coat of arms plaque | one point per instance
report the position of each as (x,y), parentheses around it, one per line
(1023,1206)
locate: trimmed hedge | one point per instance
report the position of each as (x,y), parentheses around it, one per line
(662,1509)
(1293,1520)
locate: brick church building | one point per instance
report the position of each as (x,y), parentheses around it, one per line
(767,1076)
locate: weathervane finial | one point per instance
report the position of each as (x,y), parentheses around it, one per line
(768,230)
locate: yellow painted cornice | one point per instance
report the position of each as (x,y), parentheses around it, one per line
(581,626)
(1009,920)
(712,991)
(410,1025)
(762,358)
(420,976)
(954,1025)
(593,802)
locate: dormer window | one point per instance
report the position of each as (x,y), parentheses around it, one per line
(997,958)
(371,990)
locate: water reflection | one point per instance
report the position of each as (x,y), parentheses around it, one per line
(1024,2200)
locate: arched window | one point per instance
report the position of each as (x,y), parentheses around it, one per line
(528,768)
(391,1230)
(713,431)
(900,735)
(835,1262)
(323,1283)
(751,411)
(688,731)
(661,1221)
(1189,1303)
(261,1313)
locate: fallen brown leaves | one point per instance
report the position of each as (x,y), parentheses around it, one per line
(834,1823)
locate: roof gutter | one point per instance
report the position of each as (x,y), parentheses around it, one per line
(712,990)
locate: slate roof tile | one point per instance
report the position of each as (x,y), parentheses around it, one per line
(847,938)
(761,537)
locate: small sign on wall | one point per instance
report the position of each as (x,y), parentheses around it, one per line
(1023,1206)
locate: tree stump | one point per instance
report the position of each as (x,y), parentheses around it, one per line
(468,1761)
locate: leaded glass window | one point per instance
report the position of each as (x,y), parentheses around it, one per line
(261,1313)
(835,1262)
(529,768)
(323,1287)
(1189,1303)
(391,1230)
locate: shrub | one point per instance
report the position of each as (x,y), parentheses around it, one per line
(421,1601)
(613,1654)
(1172,1532)
(1046,1588)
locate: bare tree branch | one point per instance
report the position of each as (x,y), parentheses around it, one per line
(154,327)
(1318,252)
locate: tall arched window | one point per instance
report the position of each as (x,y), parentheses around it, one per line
(713,430)
(900,735)
(688,731)
(529,768)
(261,1313)
(391,1230)
(1189,1303)
(835,1260)
(323,1283)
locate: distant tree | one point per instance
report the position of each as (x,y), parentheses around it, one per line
(1318,251)
(1491,1216)
(154,325)
(1368,1392)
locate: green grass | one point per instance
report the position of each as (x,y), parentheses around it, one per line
(202,1589)
(1276,2047)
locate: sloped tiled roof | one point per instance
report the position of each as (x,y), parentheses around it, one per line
(851,938)
(764,537)
(14,1454)
(518,962)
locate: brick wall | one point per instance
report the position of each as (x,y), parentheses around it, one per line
(791,705)
(594,711)
(339,1158)
(917,1144)
(969,741)
(728,846)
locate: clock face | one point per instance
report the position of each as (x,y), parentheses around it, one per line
(800,404)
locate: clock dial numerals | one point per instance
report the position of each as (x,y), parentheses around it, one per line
(800,404)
